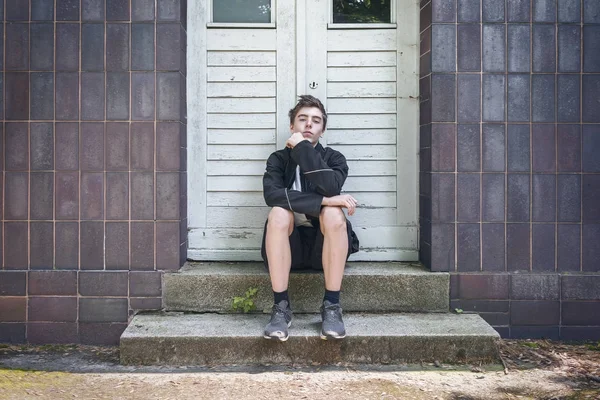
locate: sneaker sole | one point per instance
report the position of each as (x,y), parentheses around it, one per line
(327,337)
(278,338)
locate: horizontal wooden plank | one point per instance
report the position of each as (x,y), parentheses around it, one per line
(241,39)
(241,74)
(256,199)
(380,237)
(241,136)
(246,58)
(241,121)
(236,217)
(362,121)
(241,105)
(361,59)
(236,199)
(234,183)
(230,167)
(366,254)
(361,89)
(239,152)
(372,168)
(361,74)
(241,89)
(361,40)
(374,217)
(366,152)
(361,136)
(370,184)
(361,105)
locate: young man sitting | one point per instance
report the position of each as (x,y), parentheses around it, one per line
(306,227)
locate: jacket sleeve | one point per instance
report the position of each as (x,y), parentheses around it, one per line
(328,179)
(278,195)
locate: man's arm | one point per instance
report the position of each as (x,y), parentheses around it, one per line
(328,179)
(276,194)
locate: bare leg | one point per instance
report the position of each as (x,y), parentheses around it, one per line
(335,246)
(279,254)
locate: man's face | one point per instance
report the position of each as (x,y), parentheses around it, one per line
(309,121)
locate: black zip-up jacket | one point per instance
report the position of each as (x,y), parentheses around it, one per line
(324,171)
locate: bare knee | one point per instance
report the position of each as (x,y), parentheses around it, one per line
(281,219)
(332,219)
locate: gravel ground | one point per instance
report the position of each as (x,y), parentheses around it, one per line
(530,370)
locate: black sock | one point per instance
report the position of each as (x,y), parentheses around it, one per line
(278,296)
(332,295)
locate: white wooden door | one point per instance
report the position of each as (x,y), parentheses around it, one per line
(241,83)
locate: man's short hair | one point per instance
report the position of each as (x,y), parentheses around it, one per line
(306,100)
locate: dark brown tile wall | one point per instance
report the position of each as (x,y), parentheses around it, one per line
(510,160)
(90,164)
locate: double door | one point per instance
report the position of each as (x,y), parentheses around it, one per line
(242,80)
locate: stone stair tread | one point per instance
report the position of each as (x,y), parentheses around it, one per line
(255,268)
(306,325)
(220,339)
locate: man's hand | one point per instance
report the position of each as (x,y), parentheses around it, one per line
(342,200)
(294,140)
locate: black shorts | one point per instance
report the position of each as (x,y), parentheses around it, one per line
(306,244)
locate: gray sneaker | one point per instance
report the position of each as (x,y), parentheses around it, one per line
(281,319)
(333,325)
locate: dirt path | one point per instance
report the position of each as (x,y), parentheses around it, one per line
(535,370)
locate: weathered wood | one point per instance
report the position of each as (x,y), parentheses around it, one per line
(361,136)
(241,89)
(234,167)
(256,199)
(234,183)
(241,74)
(362,121)
(242,121)
(367,152)
(372,167)
(361,59)
(362,89)
(239,152)
(370,184)
(241,105)
(241,136)
(361,40)
(241,39)
(361,105)
(244,58)
(361,74)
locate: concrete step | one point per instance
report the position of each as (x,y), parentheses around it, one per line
(378,287)
(226,339)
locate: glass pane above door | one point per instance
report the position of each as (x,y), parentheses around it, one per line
(242,11)
(362,11)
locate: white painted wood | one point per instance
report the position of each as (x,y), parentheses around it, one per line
(241,105)
(364,105)
(362,121)
(241,74)
(237,25)
(254,255)
(234,184)
(236,199)
(372,217)
(361,74)
(361,40)
(317,17)
(380,237)
(241,39)
(361,26)
(245,58)
(241,121)
(370,168)
(196,117)
(361,59)
(241,89)
(367,152)
(235,167)
(241,136)
(237,217)
(361,136)
(286,73)
(374,199)
(237,152)
(370,184)
(361,89)
(408,112)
